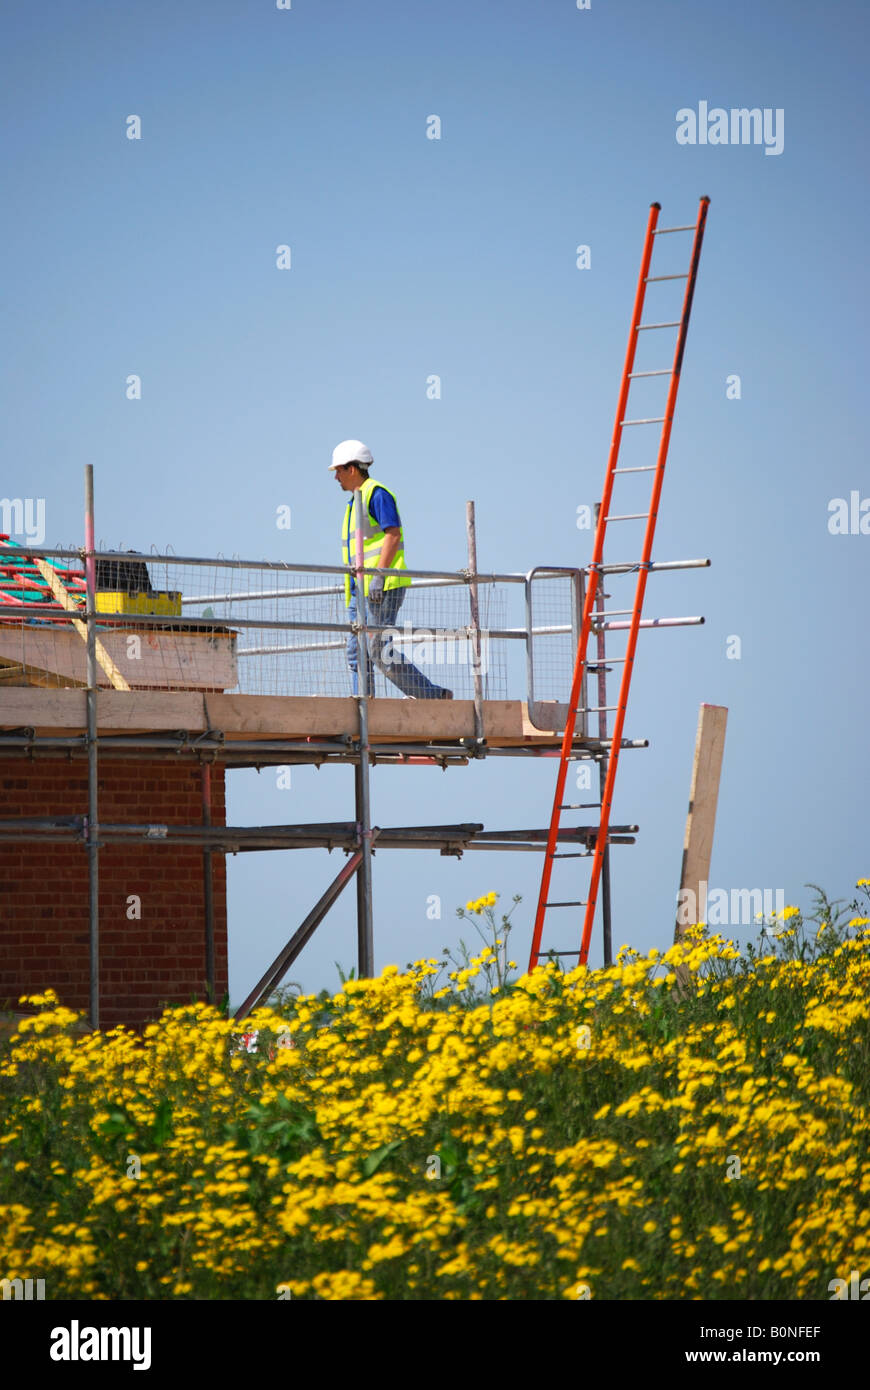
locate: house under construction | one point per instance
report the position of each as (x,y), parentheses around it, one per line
(130,683)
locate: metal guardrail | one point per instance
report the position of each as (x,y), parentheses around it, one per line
(334,634)
(553,601)
(543,712)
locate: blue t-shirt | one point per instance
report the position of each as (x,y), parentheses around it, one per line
(385,512)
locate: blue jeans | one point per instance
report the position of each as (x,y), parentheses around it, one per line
(383,653)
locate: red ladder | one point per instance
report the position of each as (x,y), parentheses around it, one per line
(596,571)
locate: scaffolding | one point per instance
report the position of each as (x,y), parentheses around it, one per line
(363,733)
(175,649)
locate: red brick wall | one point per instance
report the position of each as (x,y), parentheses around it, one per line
(144,963)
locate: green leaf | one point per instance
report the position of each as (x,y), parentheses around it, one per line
(372,1162)
(115,1125)
(161,1130)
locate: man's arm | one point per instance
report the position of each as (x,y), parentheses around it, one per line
(389,547)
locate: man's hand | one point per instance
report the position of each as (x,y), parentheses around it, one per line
(376,589)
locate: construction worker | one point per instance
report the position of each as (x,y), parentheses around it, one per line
(383,548)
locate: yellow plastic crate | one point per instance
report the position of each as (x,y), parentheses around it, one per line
(166,604)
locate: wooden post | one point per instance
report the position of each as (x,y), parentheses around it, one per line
(701,820)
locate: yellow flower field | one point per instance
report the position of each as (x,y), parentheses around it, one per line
(637,1132)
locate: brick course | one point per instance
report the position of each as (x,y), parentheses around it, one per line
(144,963)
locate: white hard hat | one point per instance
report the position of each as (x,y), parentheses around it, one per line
(351,451)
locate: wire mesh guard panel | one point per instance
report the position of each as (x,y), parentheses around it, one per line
(227,625)
(285,625)
(554,612)
(430,631)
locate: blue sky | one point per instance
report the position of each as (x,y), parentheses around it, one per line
(456,257)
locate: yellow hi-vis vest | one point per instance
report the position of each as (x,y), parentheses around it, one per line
(373,539)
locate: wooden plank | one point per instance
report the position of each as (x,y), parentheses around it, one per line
(183,660)
(64,712)
(283,716)
(65,601)
(506,722)
(701,819)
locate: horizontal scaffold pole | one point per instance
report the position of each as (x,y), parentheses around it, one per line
(317,835)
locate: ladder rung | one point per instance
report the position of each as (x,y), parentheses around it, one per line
(660,231)
(586,855)
(598,666)
(558,953)
(578,805)
(577,904)
(684,275)
(642,327)
(661,371)
(644,468)
(652,420)
(629,516)
(600,709)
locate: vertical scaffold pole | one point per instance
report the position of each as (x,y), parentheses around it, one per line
(474,605)
(365,933)
(93,808)
(208,887)
(606,928)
